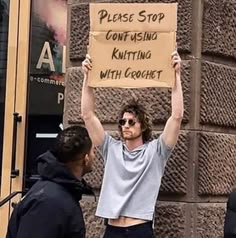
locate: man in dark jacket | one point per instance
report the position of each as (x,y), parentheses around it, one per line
(230,217)
(51,208)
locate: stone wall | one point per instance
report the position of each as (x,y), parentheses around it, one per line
(201,171)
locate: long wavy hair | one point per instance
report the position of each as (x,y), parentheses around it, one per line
(138,111)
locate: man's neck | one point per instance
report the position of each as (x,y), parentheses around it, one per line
(76,170)
(132,144)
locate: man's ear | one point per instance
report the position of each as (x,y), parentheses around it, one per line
(86,159)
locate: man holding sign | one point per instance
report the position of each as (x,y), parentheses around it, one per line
(134,166)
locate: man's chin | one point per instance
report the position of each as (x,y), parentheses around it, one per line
(131,137)
(128,138)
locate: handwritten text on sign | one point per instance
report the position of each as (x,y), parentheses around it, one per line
(131,46)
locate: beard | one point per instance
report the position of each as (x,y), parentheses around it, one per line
(129,136)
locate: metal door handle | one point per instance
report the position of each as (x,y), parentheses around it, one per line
(16,118)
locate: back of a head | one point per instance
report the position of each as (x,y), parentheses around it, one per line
(72,144)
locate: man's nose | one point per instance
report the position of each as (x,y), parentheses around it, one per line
(126,124)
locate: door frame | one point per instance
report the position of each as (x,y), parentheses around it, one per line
(16,101)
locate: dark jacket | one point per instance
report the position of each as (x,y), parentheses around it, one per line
(230,217)
(51,208)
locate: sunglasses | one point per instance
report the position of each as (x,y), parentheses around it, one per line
(131,122)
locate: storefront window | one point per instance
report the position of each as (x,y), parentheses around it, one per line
(46,78)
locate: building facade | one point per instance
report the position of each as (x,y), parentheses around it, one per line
(201,171)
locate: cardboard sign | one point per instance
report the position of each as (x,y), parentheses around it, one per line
(131,44)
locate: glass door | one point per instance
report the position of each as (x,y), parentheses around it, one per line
(32,69)
(14,55)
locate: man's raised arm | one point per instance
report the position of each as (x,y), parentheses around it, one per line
(92,123)
(172,127)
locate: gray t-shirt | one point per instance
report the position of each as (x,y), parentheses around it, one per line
(131,179)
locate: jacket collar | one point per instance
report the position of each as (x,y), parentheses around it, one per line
(49,168)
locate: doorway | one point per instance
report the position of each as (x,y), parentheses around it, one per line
(32,68)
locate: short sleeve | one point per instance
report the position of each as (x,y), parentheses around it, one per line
(163,150)
(103,149)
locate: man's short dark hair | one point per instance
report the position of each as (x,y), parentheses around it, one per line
(138,111)
(72,144)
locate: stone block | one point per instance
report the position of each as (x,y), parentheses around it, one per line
(79,31)
(94,225)
(216,163)
(210,220)
(95,177)
(175,177)
(218,97)
(219,32)
(170,220)
(72,101)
